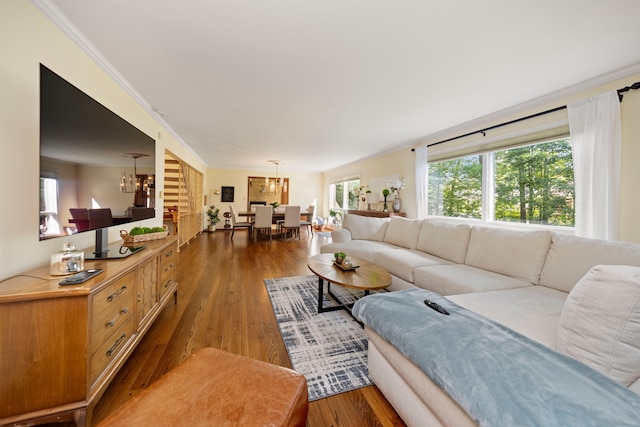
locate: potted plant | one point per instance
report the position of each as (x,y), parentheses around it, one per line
(340,256)
(274,205)
(212,213)
(385,193)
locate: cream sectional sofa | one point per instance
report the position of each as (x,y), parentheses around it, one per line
(520,279)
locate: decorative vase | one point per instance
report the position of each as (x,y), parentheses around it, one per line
(385,208)
(211,228)
(363,205)
(397,204)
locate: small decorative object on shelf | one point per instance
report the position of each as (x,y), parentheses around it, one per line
(397,204)
(360,194)
(144,234)
(68,261)
(385,193)
(346,265)
(395,188)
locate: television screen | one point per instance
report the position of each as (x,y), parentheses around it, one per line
(96,169)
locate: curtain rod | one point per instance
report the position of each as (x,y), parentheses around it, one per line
(634,86)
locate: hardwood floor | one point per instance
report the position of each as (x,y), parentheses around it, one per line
(223,303)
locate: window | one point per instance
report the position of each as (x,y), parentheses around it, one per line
(342,196)
(455,187)
(532,184)
(49,207)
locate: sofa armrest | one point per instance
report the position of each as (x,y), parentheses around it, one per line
(342,235)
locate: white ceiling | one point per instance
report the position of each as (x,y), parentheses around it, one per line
(320,83)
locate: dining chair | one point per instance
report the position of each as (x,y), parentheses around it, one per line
(307,221)
(291,221)
(263,220)
(238,224)
(80,218)
(100,218)
(141,213)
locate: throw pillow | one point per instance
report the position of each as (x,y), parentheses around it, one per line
(403,232)
(448,241)
(365,228)
(600,322)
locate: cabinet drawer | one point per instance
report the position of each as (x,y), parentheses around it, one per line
(111,348)
(112,307)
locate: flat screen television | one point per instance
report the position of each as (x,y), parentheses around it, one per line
(96,169)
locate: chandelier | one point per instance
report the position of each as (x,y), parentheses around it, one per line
(131,184)
(277,185)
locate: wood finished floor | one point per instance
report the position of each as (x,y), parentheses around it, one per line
(223,303)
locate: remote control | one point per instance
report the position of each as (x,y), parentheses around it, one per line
(81,277)
(436,307)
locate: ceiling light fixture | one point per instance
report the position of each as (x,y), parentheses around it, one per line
(131,185)
(276,186)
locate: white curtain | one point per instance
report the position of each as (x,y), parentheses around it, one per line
(422,172)
(596,144)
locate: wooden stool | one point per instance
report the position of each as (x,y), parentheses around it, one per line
(217,388)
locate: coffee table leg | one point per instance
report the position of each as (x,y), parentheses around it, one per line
(320,293)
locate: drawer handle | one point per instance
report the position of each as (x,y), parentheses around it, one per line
(116,344)
(168,254)
(166,285)
(112,323)
(168,268)
(117,293)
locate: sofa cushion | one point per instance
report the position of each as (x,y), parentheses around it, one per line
(533,311)
(518,254)
(402,262)
(363,249)
(462,279)
(365,228)
(600,322)
(571,257)
(444,240)
(403,232)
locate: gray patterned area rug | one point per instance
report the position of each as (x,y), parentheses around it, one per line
(329,349)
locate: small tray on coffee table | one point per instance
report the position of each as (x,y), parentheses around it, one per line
(343,268)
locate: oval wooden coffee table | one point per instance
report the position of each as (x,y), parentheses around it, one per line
(367,277)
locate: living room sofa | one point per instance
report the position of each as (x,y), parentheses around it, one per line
(524,280)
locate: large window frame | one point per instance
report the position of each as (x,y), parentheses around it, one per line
(488,190)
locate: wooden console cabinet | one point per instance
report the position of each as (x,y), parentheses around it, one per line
(376,214)
(60,346)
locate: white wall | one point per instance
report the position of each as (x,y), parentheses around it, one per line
(28,38)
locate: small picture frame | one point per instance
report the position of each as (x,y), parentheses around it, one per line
(227,194)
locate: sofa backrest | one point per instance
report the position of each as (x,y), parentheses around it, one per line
(365,228)
(403,232)
(571,257)
(517,254)
(444,240)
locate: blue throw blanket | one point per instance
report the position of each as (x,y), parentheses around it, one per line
(499,377)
